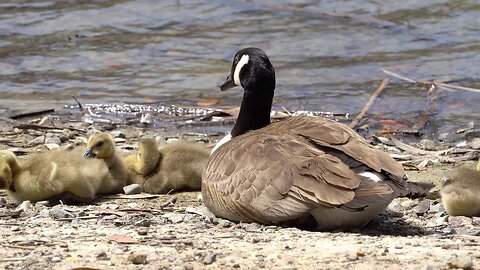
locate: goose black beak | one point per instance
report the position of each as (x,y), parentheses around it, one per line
(89,153)
(229,83)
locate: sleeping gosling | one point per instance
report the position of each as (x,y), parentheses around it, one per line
(460,194)
(175,166)
(54,175)
(102,146)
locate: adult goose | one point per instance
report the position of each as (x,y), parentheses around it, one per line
(287,171)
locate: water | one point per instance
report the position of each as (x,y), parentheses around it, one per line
(328,54)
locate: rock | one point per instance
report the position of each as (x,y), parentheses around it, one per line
(138,258)
(38,140)
(52,139)
(118,134)
(132,189)
(52,146)
(476,221)
(143,223)
(174,217)
(361,251)
(142,231)
(396,207)
(26,207)
(436,208)
(56,259)
(407,204)
(102,255)
(224,223)
(422,207)
(458,221)
(474,143)
(426,144)
(460,261)
(209,258)
(57,212)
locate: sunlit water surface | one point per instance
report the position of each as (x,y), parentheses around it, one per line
(328,55)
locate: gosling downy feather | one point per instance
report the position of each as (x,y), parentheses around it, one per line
(102,146)
(285,171)
(175,166)
(53,175)
(460,194)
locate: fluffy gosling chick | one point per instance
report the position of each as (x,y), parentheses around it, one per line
(102,146)
(461,193)
(53,175)
(175,166)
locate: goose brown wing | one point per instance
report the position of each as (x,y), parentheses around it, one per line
(328,134)
(270,178)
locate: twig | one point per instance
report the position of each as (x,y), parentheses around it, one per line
(431,83)
(14,259)
(369,104)
(15,246)
(33,126)
(30,114)
(78,102)
(398,76)
(172,200)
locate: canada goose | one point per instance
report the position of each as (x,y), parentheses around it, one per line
(174,166)
(102,146)
(53,175)
(281,172)
(460,194)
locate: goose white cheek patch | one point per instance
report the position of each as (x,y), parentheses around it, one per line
(236,74)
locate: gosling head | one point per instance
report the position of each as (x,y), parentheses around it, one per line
(100,145)
(6,177)
(147,149)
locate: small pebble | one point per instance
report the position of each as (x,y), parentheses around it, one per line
(52,146)
(142,231)
(25,207)
(57,212)
(426,144)
(138,258)
(118,134)
(458,221)
(422,207)
(132,189)
(37,141)
(460,261)
(209,259)
(436,208)
(407,204)
(225,223)
(102,255)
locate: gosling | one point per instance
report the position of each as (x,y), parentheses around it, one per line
(460,194)
(175,166)
(102,146)
(54,175)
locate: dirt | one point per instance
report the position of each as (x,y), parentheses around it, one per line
(175,231)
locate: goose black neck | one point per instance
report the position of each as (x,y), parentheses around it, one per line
(254,111)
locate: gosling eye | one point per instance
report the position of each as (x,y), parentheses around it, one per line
(99,144)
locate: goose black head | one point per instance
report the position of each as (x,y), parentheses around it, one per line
(251,69)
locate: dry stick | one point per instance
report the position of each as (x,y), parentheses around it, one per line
(78,102)
(430,83)
(369,103)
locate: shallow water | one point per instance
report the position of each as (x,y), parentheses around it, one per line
(328,54)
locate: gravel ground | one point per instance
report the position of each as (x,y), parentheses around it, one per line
(175,232)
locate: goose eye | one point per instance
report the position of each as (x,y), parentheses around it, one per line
(99,144)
